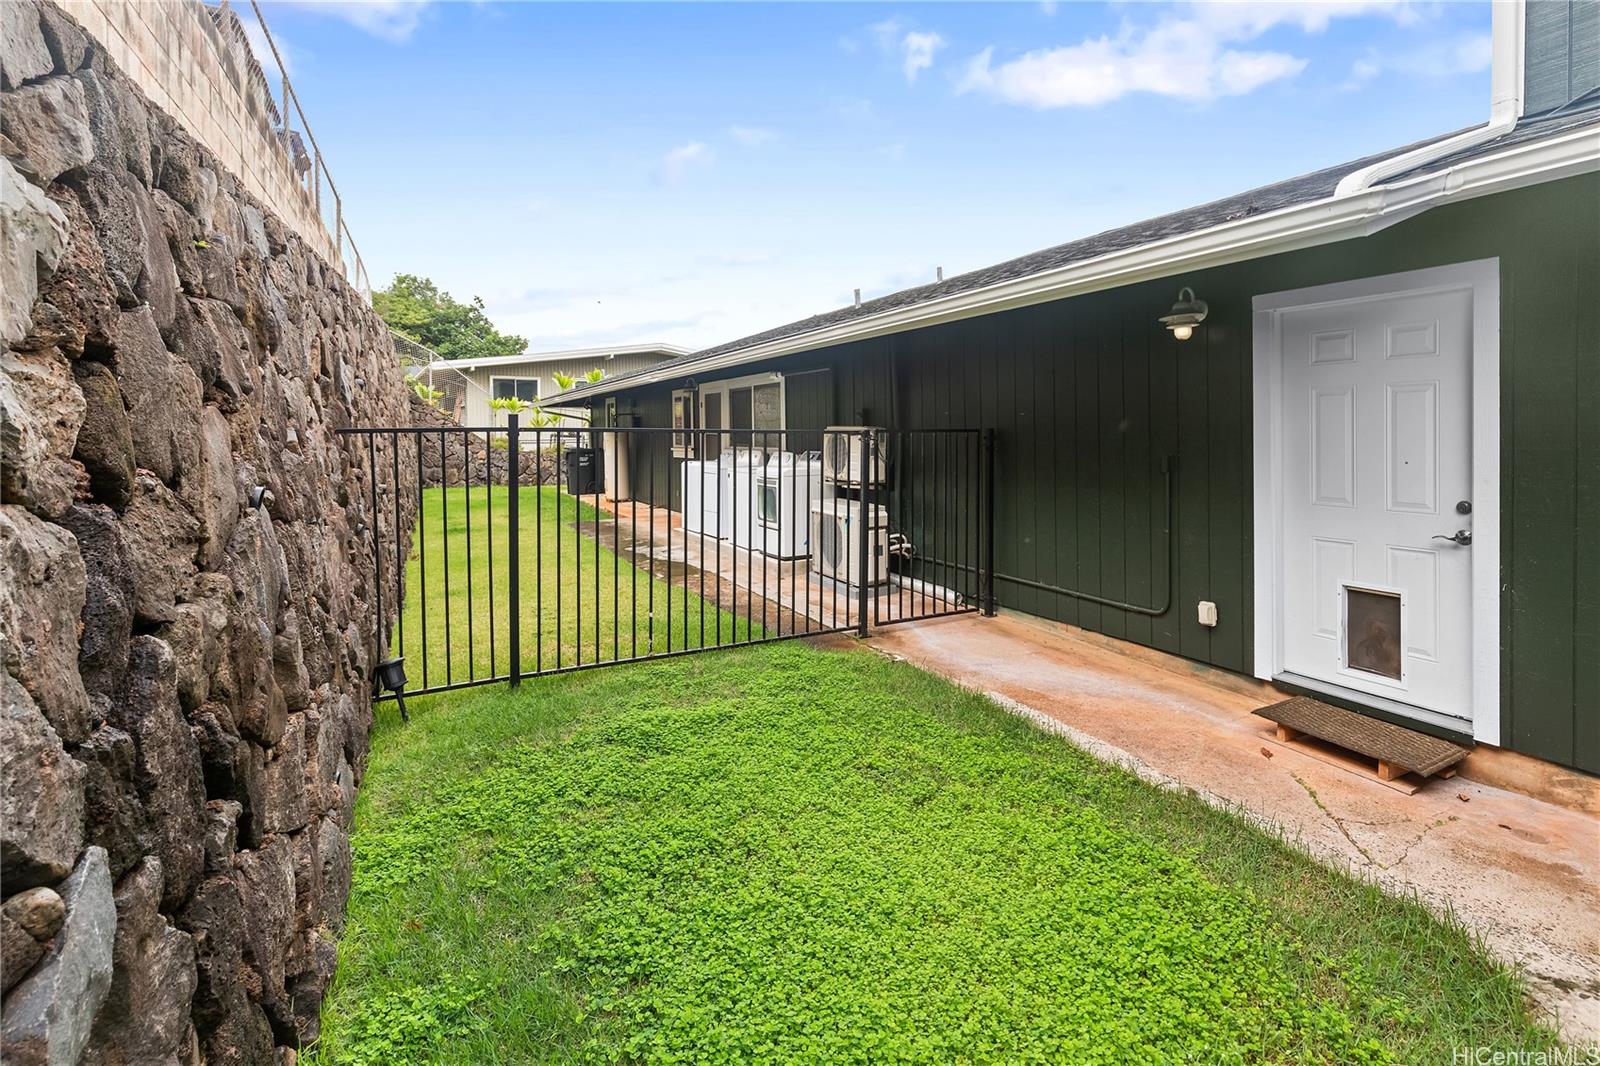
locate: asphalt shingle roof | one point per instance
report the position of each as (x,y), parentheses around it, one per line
(1306,188)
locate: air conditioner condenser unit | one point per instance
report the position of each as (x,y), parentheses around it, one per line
(836,541)
(853,455)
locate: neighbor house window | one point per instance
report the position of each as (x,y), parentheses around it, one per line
(524,389)
(683,423)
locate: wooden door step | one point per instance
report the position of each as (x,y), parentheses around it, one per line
(1337,736)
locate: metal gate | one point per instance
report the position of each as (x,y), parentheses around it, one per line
(620,545)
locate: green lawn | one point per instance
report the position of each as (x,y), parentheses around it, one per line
(584,604)
(794,854)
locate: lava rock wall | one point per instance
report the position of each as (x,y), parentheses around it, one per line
(454,458)
(185,701)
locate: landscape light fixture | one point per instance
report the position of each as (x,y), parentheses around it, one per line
(261,498)
(391,674)
(1185,315)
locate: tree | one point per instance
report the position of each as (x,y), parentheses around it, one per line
(415,307)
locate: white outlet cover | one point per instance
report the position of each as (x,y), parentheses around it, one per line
(1207,613)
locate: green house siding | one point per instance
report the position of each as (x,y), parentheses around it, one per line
(1090,396)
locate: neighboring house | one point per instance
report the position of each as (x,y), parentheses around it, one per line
(469,385)
(1396,349)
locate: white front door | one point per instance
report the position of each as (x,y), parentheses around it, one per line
(1377,470)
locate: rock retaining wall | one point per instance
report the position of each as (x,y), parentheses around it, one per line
(185,692)
(454,458)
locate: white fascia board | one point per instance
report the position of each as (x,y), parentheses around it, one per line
(672,350)
(1289,229)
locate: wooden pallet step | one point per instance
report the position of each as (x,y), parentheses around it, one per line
(1321,729)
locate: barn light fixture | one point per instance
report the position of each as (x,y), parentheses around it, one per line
(1186,314)
(391,674)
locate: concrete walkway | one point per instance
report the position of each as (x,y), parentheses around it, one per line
(1523,873)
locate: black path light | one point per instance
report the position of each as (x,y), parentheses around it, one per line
(391,674)
(1185,315)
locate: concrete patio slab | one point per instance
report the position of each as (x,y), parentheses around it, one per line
(1522,872)
(785,596)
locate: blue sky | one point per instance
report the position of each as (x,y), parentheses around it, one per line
(608,172)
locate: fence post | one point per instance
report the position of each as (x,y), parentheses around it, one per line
(513,537)
(987,588)
(865,570)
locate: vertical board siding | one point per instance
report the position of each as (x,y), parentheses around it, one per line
(1138,476)
(1585,381)
(1229,366)
(1088,395)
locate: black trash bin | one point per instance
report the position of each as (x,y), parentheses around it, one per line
(583,471)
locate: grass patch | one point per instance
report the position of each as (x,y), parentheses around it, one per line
(791,854)
(581,603)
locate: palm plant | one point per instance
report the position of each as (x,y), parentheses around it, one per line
(566,381)
(424,392)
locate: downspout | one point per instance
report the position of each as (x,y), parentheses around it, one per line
(1505,106)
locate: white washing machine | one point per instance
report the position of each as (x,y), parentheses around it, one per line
(705,498)
(741,473)
(788,486)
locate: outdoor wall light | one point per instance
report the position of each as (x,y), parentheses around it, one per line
(391,674)
(261,496)
(1186,314)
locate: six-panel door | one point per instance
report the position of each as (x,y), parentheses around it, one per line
(1377,468)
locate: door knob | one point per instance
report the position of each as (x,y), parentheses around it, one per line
(1462,537)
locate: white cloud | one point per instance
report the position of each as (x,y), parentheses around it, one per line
(752,136)
(918,50)
(1440,59)
(391,20)
(859,109)
(912,49)
(742,258)
(1246,19)
(678,161)
(1047,8)
(1474,54)
(1362,71)
(887,34)
(1188,53)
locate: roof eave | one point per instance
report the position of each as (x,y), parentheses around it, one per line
(673,350)
(1334,218)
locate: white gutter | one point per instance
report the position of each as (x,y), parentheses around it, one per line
(1505,105)
(1289,229)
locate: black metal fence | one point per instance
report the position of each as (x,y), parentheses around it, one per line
(548,550)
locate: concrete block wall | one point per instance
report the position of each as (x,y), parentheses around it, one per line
(205,78)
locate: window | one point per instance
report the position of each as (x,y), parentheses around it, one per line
(741,413)
(744,405)
(768,414)
(524,389)
(683,423)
